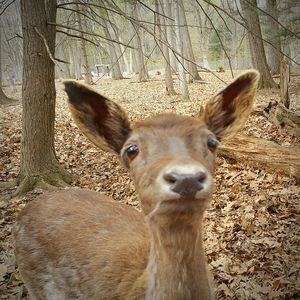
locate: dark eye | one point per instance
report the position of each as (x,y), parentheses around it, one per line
(132,151)
(212,143)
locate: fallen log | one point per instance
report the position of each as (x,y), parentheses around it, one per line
(262,153)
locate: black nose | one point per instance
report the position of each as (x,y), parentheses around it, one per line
(185,184)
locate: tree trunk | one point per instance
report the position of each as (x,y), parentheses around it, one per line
(181,68)
(284,82)
(273,54)
(138,44)
(116,72)
(262,153)
(171,36)
(257,50)
(163,35)
(3,98)
(188,49)
(39,165)
(86,65)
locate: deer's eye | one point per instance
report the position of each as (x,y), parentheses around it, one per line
(132,151)
(212,143)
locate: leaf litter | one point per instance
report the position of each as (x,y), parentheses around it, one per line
(252,235)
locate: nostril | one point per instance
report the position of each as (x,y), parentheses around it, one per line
(171,177)
(201,176)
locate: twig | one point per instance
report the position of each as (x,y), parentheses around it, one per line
(7,6)
(155,12)
(77,37)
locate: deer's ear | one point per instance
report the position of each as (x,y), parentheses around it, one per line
(228,111)
(103,121)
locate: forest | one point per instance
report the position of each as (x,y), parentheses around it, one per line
(65,63)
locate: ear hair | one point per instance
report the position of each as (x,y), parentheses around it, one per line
(103,121)
(228,111)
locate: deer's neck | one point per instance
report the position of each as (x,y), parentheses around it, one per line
(176,267)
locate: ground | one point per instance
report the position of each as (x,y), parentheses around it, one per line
(252,230)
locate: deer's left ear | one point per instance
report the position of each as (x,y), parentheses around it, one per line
(101,120)
(228,111)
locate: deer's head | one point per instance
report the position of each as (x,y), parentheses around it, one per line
(171,157)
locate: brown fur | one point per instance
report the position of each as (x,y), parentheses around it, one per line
(76,244)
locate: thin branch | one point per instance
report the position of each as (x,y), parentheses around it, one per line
(7,6)
(77,37)
(155,12)
(88,33)
(217,33)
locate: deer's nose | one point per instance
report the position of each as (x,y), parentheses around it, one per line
(185,184)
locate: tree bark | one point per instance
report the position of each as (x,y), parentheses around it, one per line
(262,153)
(39,164)
(257,50)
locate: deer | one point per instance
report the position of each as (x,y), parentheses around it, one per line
(80,244)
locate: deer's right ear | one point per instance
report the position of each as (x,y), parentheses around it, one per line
(103,121)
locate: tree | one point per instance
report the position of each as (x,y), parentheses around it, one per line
(188,49)
(257,50)
(86,65)
(138,42)
(163,35)
(179,47)
(39,164)
(3,98)
(273,54)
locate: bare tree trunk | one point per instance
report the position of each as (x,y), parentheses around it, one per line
(257,50)
(86,66)
(138,43)
(284,82)
(39,165)
(170,33)
(188,49)
(273,55)
(162,32)
(204,33)
(116,72)
(3,98)
(181,69)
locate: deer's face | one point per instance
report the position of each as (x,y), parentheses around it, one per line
(171,158)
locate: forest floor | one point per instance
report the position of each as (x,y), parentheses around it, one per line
(252,230)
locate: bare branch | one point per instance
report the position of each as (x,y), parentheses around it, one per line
(6,7)
(77,37)
(154,11)
(88,33)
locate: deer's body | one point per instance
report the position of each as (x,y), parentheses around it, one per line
(76,244)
